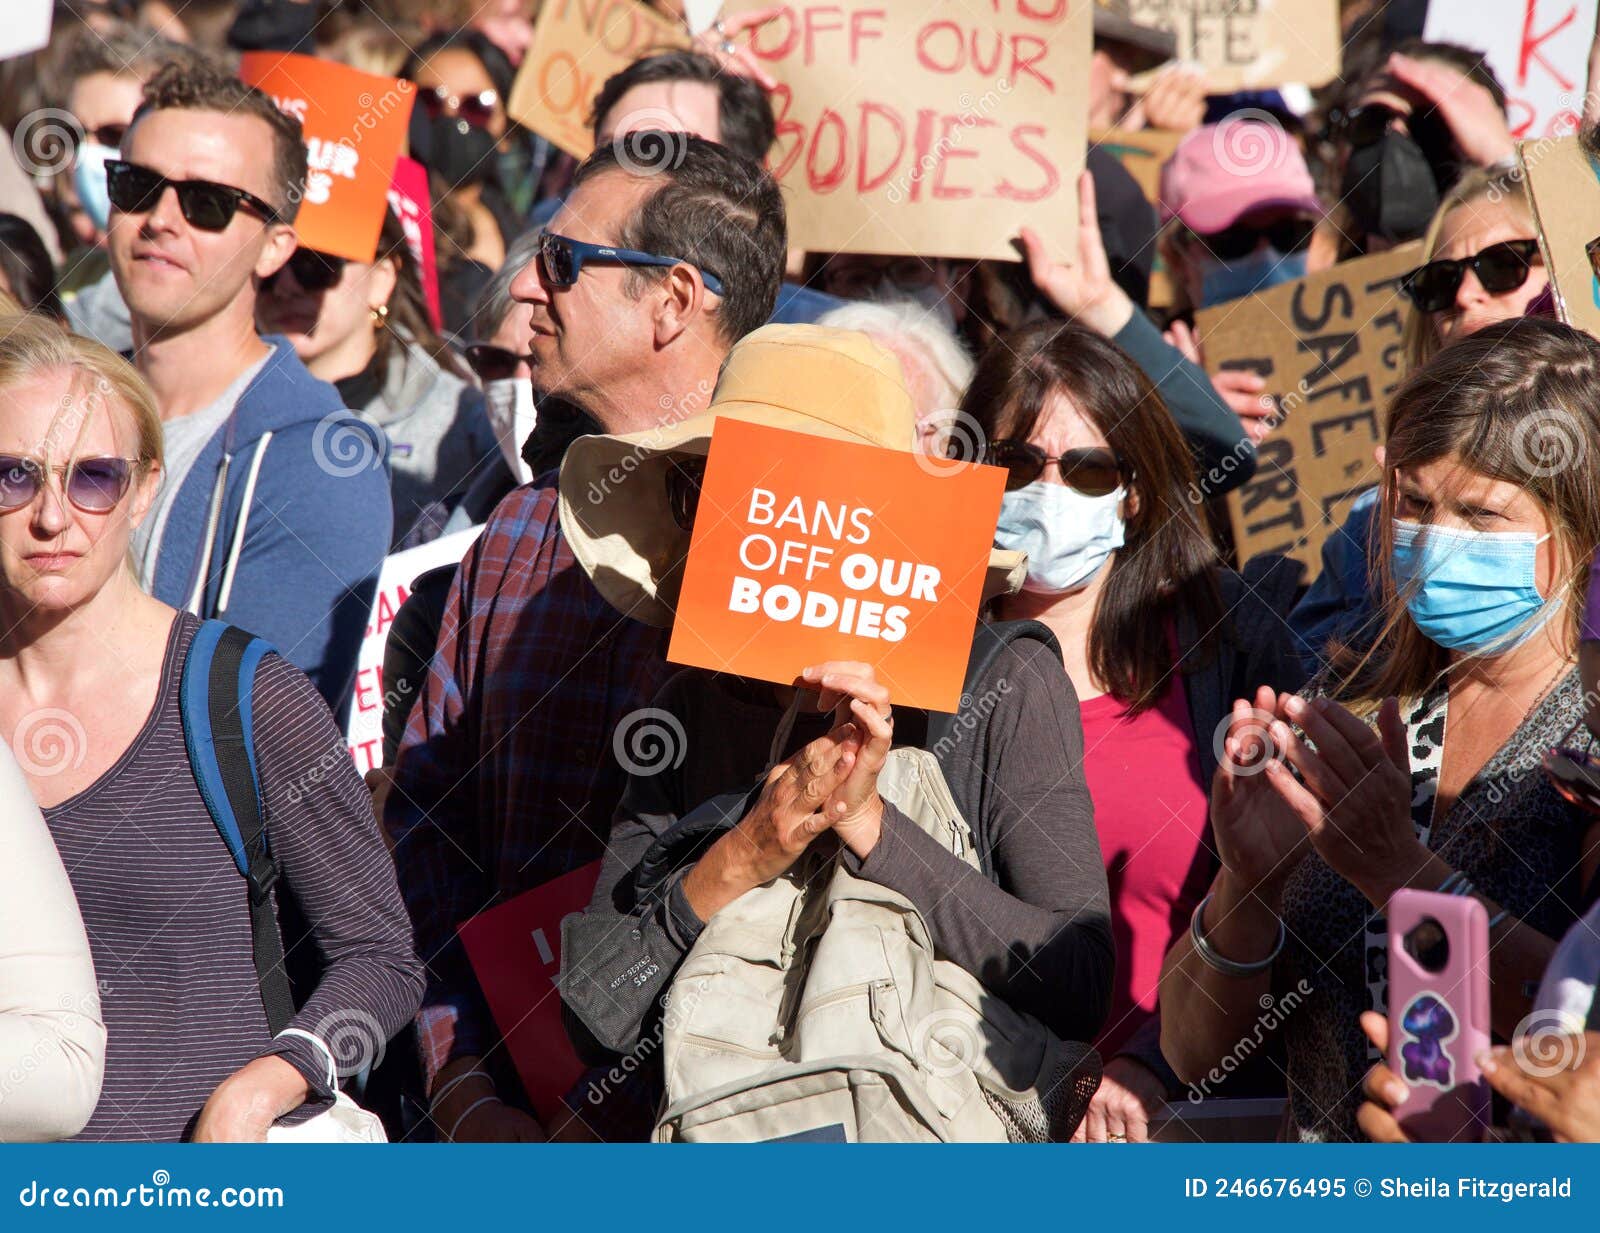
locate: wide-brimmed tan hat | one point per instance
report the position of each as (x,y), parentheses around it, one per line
(615,511)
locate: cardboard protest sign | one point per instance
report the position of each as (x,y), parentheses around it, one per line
(1564,185)
(577,44)
(515,950)
(934,129)
(364,729)
(1329,349)
(26,28)
(355,124)
(1252,44)
(1539,49)
(806,550)
(410,201)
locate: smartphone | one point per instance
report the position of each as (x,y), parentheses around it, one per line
(1439,1013)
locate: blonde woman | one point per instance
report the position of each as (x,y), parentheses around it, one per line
(1483,266)
(92,663)
(52,1040)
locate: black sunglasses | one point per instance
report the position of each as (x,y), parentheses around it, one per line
(94,485)
(1093,472)
(1500,268)
(1287,235)
(562,259)
(314,271)
(476,109)
(492,363)
(684,477)
(135,189)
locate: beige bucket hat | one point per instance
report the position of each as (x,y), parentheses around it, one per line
(615,510)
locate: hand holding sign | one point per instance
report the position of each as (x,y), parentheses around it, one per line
(855,810)
(1476,122)
(1082,290)
(718,43)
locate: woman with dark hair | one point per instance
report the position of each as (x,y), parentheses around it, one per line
(364,327)
(26,272)
(1155,634)
(461,132)
(1425,772)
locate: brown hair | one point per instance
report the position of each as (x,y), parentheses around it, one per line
(408,320)
(1167,563)
(205,86)
(1517,401)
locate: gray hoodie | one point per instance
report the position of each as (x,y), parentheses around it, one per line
(439,436)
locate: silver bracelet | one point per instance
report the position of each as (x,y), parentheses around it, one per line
(467,1112)
(1216,960)
(1498,917)
(1444,887)
(475,1073)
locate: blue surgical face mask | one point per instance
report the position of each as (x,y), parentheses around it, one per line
(89,182)
(1068,537)
(1470,591)
(1232,280)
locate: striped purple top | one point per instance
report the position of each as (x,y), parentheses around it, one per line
(168,917)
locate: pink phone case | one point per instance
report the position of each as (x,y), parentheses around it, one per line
(1439,1021)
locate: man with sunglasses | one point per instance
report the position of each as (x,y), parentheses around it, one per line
(275,510)
(508,773)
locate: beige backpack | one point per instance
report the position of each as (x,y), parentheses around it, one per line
(816,1008)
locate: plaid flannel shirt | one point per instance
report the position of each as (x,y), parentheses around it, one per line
(506,777)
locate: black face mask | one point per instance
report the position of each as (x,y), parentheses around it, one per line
(1392,188)
(458,152)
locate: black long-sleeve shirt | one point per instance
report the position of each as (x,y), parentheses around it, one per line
(168,917)
(1039,936)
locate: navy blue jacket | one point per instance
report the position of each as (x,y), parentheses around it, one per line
(297,563)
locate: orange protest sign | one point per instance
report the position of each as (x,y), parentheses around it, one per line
(577,44)
(807,549)
(934,129)
(354,125)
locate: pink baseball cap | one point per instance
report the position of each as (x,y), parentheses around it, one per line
(1221,172)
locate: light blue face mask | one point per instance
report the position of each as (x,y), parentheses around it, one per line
(1470,591)
(89,182)
(1068,537)
(1232,280)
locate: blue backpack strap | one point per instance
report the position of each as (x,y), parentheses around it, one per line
(216,702)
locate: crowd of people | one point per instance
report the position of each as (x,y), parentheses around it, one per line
(1183,787)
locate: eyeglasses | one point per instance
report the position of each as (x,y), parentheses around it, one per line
(1093,472)
(312,270)
(1500,268)
(94,485)
(1287,235)
(562,260)
(493,363)
(1573,769)
(684,477)
(135,189)
(476,109)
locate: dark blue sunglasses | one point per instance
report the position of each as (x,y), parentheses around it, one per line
(562,260)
